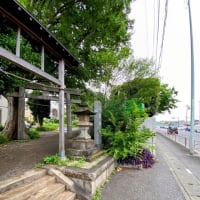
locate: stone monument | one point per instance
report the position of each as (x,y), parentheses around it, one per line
(82,145)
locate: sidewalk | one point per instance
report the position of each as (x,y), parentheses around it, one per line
(175,176)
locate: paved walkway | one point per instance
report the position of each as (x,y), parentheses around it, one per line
(175,176)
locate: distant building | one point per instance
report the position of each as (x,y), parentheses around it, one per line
(3,110)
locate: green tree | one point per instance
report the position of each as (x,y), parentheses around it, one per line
(155,96)
(96,32)
(167,98)
(40,108)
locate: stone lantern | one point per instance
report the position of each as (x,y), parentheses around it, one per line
(82,145)
(83,113)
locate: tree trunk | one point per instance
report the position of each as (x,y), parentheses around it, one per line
(11,125)
(10,128)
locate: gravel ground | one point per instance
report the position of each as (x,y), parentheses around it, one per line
(17,157)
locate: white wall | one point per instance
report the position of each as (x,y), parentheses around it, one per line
(3,110)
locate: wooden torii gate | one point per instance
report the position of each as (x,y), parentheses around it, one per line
(13,12)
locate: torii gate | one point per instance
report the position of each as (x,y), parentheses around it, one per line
(13,12)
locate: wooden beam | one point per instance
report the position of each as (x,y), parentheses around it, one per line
(53,89)
(42,58)
(61,73)
(18,42)
(27,66)
(75,101)
(44,97)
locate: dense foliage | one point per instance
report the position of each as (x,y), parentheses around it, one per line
(130,141)
(96,32)
(156,97)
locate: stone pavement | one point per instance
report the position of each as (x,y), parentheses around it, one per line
(175,176)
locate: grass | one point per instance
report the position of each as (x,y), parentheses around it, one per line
(48,127)
(33,133)
(73,162)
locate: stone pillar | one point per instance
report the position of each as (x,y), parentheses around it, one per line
(20,118)
(97,124)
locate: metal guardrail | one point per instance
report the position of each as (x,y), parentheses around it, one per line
(181,140)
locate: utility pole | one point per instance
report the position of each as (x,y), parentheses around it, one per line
(199,112)
(191,139)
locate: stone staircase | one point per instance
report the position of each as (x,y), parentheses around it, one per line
(35,185)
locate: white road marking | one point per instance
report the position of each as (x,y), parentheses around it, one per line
(188,171)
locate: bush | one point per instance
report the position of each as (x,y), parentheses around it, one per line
(33,133)
(122,145)
(3,138)
(47,127)
(124,138)
(145,159)
(1,127)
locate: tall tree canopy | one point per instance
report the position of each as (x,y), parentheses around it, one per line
(96,32)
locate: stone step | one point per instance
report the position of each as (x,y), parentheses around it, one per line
(66,195)
(51,192)
(23,191)
(27,177)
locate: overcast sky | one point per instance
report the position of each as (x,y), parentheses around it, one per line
(175,66)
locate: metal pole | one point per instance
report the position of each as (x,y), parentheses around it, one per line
(199,112)
(191,142)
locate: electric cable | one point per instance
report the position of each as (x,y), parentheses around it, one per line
(163,33)
(158,27)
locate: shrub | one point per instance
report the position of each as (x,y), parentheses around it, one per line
(122,145)
(3,138)
(55,160)
(33,133)
(125,139)
(47,127)
(1,127)
(145,158)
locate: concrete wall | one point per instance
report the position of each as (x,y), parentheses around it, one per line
(150,123)
(3,110)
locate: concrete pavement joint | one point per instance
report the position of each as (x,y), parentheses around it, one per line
(188,183)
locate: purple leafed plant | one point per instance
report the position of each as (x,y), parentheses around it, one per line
(145,158)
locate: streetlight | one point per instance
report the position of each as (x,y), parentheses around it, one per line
(187,108)
(199,112)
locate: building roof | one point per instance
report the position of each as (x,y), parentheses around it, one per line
(14,11)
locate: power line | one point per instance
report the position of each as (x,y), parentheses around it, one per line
(163,33)
(158,27)
(147,29)
(154,27)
